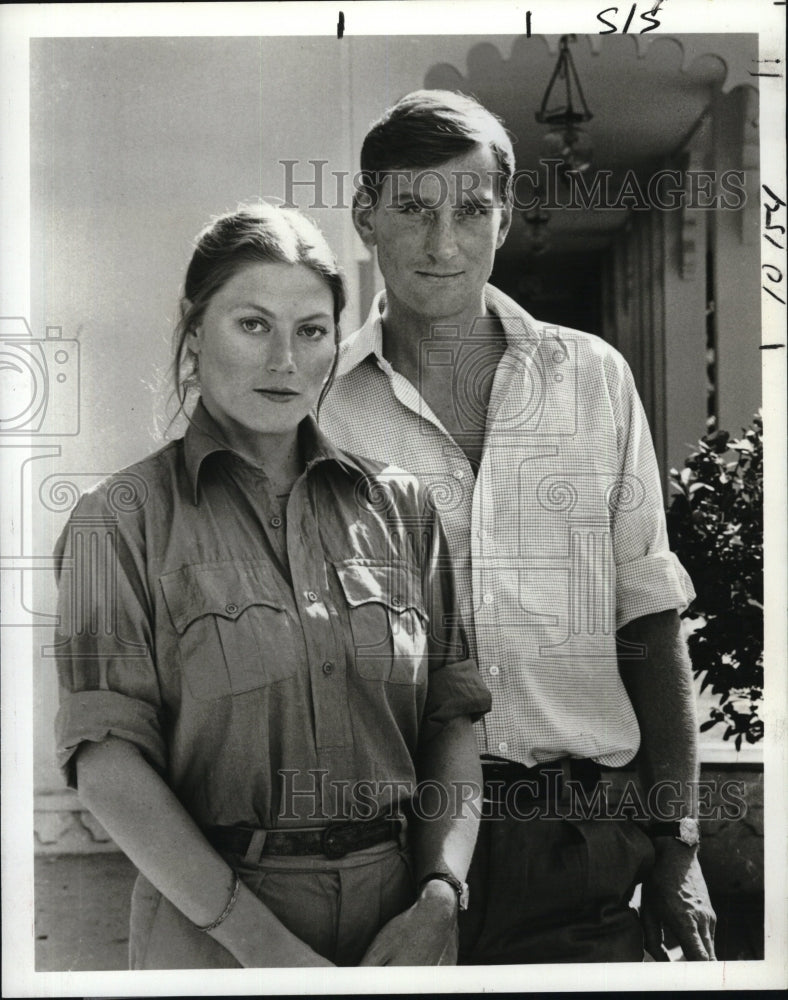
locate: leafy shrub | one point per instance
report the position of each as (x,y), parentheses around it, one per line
(715,525)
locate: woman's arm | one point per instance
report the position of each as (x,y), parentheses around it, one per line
(426,933)
(147,821)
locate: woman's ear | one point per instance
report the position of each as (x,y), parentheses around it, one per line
(192,336)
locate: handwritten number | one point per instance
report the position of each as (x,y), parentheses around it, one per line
(777,199)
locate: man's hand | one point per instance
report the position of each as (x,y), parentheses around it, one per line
(675,896)
(425,934)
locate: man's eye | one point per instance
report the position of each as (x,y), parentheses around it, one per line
(473,209)
(253,325)
(412,208)
(313,332)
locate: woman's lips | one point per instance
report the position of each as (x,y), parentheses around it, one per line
(278,395)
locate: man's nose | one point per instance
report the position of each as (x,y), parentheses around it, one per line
(441,237)
(280,354)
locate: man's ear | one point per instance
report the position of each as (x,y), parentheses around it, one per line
(364,219)
(506,222)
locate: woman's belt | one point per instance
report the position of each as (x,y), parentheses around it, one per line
(333,841)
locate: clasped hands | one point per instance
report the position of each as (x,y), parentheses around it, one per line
(424,934)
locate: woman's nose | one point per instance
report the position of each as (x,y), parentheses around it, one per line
(441,238)
(280,355)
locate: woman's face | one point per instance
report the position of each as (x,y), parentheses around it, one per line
(265,345)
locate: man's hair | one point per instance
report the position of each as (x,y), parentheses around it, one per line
(426,129)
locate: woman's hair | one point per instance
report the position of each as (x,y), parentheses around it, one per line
(254,234)
(426,129)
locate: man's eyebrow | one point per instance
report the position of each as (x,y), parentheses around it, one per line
(479,198)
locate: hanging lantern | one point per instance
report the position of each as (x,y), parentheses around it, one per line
(564,108)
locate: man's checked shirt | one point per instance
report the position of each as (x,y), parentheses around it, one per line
(560,539)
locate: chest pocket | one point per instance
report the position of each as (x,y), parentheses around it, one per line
(234,632)
(387,619)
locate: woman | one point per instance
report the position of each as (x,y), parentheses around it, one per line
(257,666)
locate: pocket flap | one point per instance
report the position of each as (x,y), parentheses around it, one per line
(396,585)
(225,588)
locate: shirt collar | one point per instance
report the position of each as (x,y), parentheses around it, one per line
(366,341)
(204,437)
(520,329)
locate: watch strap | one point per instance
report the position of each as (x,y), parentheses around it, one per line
(461,888)
(685,830)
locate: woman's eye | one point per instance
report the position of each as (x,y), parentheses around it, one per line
(313,332)
(253,325)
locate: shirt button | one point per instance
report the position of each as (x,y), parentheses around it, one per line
(311,595)
(328,667)
(483,533)
(494,671)
(503,747)
(231,608)
(488,598)
(276,522)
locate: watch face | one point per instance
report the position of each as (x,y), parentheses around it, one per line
(689,831)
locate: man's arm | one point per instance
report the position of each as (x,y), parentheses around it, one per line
(659,684)
(426,933)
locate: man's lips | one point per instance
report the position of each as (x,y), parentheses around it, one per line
(440,276)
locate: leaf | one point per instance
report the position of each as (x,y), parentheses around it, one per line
(707,725)
(742,445)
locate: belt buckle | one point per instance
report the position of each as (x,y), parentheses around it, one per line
(328,842)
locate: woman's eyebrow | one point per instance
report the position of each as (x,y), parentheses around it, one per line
(317,315)
(267,312)
(254,305)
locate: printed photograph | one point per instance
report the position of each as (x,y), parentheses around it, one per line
(383,449)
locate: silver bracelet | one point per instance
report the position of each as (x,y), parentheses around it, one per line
(226,911)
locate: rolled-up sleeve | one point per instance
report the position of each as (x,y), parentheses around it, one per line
(454,688)
(103,644)
(649,577)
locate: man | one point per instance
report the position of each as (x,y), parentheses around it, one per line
(534,446)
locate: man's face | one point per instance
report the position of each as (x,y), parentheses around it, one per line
(436,231)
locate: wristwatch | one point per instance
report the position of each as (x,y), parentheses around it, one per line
(685,830)
(461,888)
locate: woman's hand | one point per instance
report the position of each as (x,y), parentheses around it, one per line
(425,934)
